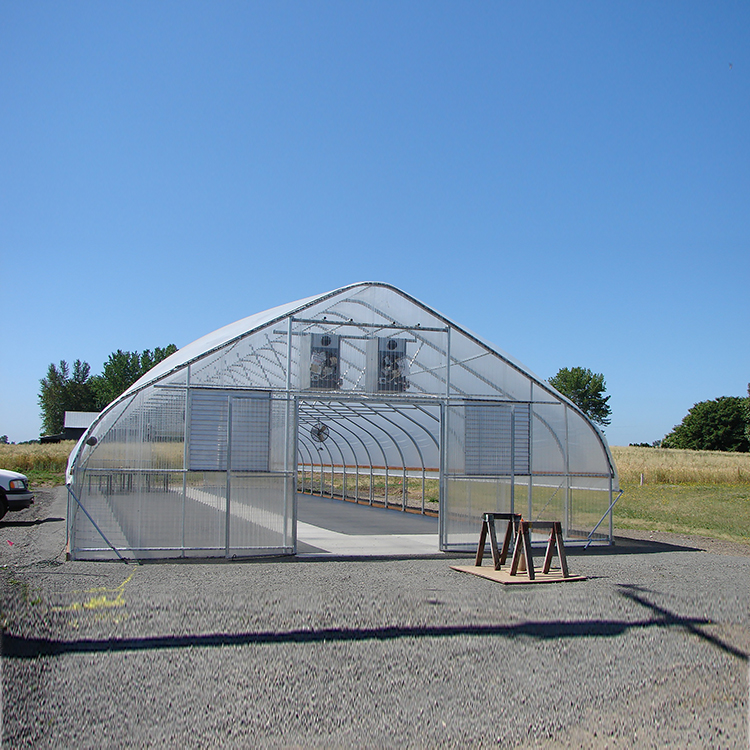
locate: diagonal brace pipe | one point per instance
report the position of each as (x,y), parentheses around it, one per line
(101,533)
(611,505)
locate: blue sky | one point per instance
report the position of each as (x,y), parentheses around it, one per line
(569,180)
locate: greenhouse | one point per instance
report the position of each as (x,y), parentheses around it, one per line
(363,394)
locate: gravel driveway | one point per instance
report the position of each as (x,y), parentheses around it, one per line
(650,651)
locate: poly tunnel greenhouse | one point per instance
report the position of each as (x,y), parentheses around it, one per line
(363,394)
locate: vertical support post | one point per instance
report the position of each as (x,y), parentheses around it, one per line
(405,490)
(185,456)
(72,514)
(295,427)
(512,458)
(566,510)
(531,450)
(227,523)
(290,474)
(386,484)
(448,363)
(444,419)
(441,481)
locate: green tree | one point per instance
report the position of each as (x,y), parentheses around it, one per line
(63,391)
(717,425)
(150,358)
(122,369)
(586,390)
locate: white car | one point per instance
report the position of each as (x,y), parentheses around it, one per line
(14,491)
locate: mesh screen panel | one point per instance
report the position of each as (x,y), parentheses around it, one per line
(258,517)
(468,500)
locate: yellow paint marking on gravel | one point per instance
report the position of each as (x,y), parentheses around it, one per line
(103,600)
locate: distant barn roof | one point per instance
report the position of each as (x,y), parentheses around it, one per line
(80,419)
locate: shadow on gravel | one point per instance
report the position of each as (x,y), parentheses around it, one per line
(626,546)
(36,522)
(635,594)
(19,647)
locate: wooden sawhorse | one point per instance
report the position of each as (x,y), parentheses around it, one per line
(488,528)
(522,550)
(522,560)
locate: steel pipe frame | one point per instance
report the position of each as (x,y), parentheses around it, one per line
(322,474)
(356,463)
(376,442)
(398,448)
(343,460)
(335,412)
(414,330)
(260,356)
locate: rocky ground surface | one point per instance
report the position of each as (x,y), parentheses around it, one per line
(650,651)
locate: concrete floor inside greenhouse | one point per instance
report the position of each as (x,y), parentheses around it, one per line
(333,527)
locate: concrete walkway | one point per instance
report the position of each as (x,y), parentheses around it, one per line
(330,527)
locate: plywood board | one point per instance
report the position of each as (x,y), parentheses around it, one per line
(504,576)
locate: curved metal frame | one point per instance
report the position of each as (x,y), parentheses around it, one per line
(360,414)
(356,462)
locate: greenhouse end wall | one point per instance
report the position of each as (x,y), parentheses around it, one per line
(203,456)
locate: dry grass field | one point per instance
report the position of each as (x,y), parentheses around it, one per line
(680,491)
(42,464)
(686,492)
(669,466)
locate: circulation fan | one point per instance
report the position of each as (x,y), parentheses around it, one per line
(319,432)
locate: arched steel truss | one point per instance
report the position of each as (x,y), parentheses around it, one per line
(404,435)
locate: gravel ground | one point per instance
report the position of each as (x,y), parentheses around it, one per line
(650,651)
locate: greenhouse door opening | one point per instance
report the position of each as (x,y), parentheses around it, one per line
(381,454)
(387,454)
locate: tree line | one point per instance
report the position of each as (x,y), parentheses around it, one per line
(65,389)
(721,424)
(77,390)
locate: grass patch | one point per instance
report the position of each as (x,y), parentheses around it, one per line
(721,511)
(363,488)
